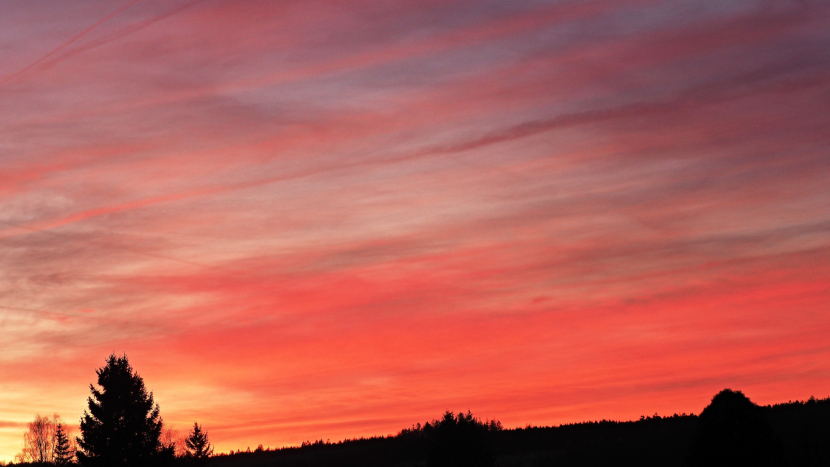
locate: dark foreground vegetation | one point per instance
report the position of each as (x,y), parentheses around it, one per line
(123,427)
(732,431)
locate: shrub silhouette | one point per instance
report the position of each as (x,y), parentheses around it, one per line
(122,426)
(459,441)
(733,431)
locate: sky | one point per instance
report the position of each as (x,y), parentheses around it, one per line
(310,219)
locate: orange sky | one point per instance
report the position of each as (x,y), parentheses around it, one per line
(306,220)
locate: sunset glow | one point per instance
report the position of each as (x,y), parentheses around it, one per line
(325,220)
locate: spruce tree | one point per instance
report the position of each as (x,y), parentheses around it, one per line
(63,450)
(122,426)
(198,445)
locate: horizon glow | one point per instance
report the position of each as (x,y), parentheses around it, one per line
(322,220)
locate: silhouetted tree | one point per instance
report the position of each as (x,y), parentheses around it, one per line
(198,445)
(122,426)
(733,431)
(460,441)
(64,452)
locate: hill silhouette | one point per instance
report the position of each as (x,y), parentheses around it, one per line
(734,431)
(730,431)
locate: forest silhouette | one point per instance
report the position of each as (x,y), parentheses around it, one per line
(122,426)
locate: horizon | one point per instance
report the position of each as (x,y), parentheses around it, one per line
(525,427)
(181,434)
(316,220)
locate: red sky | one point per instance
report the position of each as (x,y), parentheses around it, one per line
(316,219)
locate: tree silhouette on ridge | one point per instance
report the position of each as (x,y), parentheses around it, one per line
(733,431)
(460,441)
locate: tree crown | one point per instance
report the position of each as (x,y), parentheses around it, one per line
(122,425)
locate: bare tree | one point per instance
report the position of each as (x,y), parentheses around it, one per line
(39,440)
(171,439)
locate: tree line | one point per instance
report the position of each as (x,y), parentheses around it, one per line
(731,431)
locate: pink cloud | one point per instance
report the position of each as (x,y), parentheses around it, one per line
(305,221)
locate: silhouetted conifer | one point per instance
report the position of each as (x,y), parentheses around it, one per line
(198,445)
(63,448)
(733,431)
(122,426)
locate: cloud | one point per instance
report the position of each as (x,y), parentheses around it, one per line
(293,216)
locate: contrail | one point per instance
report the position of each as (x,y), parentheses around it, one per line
(58,315)
(119,34)
(67,43)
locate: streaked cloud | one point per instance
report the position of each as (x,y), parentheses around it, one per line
(308,220)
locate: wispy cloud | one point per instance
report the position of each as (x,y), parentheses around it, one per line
(294,216)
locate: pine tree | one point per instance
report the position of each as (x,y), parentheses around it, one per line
(198,445)
(63,450)
(122,426)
